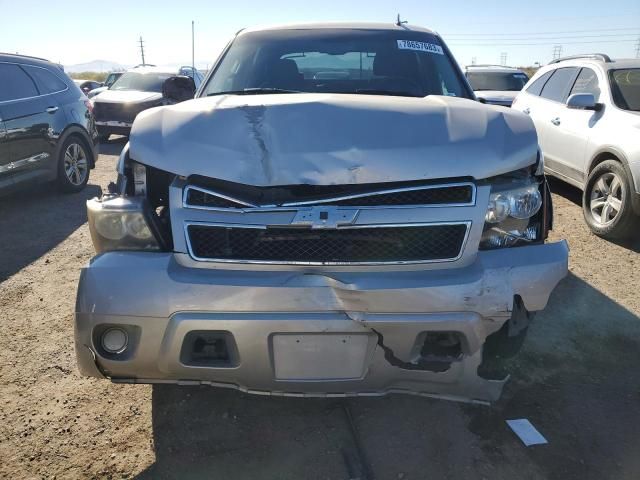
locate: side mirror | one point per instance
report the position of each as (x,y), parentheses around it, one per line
(179,88)
(583,101)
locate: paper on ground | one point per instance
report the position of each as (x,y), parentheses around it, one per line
(527,432)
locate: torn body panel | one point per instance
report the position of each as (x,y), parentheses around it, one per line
(166,296)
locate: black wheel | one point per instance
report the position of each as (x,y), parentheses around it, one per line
(606,201)
(73,165)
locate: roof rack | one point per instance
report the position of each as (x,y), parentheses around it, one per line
(593,56)
(25,56)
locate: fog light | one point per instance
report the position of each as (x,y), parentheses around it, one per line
(114,340)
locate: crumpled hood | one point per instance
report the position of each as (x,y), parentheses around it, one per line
(320,139)
(127,96)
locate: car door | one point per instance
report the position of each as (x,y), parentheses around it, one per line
(559,147)
(4,155)
(571,129)
(29,118)
(530,103)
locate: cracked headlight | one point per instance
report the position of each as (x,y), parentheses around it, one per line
(513,216)
(121,223)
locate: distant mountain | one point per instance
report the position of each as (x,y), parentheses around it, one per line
(95,66)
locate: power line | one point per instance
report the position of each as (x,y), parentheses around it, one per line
(541,33)
(475,44)
(541,38)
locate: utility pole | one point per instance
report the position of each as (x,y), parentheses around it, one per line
(557,52)
(638,48)
(142,50)
(193,47)
(503,58)
(474,60)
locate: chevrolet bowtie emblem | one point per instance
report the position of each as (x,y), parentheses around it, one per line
(325,217)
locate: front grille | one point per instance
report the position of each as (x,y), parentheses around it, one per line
(426,196)
(384,244)
(119,112)
(457,194)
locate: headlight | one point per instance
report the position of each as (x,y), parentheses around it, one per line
(512,216)
(120,223)
(519,203)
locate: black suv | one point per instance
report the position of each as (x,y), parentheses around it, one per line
(47,131)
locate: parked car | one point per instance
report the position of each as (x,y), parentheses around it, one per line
(496,84)
(110,80)
(189,71)
(47,130)
(136,90)
(586,109)
(87,85)
(334,214)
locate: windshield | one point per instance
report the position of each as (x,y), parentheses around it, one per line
(111,79)
(625,86)
(147,82)
(373,62)
(501,81)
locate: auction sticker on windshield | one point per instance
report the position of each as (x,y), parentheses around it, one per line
(420,46)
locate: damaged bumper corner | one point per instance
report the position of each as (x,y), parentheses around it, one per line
(307,332)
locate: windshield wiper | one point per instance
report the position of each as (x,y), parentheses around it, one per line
(394,93)
(254,91)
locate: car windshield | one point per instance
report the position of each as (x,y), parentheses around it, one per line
(146,82)
(375,62)
(625,86)
(110,79)
(501,81)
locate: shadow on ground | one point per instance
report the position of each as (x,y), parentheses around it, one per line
(577,380)
(36,219)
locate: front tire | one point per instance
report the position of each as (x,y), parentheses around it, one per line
(73,165)
(606,201)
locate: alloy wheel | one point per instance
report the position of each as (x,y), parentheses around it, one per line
(76,165)
(606,198)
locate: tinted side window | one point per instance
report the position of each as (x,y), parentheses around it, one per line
(15,83)
(47,82)
(557,88)
(536,87)
(587,82)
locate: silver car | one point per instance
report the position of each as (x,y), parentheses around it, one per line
(334,214)
(586,110)
(496,84)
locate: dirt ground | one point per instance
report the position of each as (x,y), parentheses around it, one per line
(577,380)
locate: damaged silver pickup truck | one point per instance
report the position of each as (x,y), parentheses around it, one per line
(333,215)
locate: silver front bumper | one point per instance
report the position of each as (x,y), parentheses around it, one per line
(308,332)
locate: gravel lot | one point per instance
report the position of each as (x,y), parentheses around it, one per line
(577,380)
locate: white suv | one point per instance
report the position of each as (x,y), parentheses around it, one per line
(586,110)
(496,84)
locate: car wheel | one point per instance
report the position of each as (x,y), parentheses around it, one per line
(606,201)
(73,165)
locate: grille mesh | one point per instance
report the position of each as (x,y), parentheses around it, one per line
(427,196)
(353,245)
(199,198)
(458,194)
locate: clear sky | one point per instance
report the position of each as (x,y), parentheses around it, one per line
(73,32)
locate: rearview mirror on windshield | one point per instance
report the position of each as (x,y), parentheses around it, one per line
(179,88)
